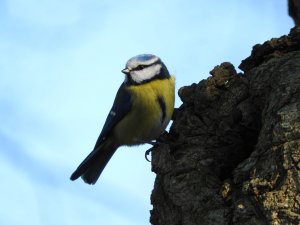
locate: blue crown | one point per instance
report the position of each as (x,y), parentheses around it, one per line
(145,57)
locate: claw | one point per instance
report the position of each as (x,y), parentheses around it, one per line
(160,140)
(147,153)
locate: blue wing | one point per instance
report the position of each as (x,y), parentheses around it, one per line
(92,166)
(120,108)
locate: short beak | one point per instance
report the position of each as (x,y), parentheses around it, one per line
(126,71)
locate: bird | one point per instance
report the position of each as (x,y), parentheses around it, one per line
(140,113)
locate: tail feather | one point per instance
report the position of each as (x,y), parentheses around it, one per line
(93,165)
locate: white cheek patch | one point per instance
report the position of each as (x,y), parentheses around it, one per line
(146,73)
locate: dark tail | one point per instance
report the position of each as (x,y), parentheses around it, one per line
(92,166)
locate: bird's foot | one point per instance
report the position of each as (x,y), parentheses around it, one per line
(163,138)
(147,154)
(153,143)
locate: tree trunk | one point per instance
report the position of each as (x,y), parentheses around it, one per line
(233,152)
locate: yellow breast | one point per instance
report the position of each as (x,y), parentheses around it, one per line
(144,121)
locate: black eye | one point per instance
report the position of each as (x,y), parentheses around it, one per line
(140,67)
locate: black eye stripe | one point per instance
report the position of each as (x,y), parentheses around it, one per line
(140,67)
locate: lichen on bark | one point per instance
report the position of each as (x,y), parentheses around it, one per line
(233,152)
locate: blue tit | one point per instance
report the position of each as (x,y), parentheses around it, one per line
(141,111)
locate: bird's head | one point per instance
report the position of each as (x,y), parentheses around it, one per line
(144,68)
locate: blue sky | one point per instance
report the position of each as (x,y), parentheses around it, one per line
(60,64)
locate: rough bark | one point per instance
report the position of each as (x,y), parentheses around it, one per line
(233,152)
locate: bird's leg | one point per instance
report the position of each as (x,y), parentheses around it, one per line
(153,143)
(163,138)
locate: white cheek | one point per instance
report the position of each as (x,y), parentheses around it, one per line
(146,74)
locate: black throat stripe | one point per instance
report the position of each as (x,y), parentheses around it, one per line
(162,105)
